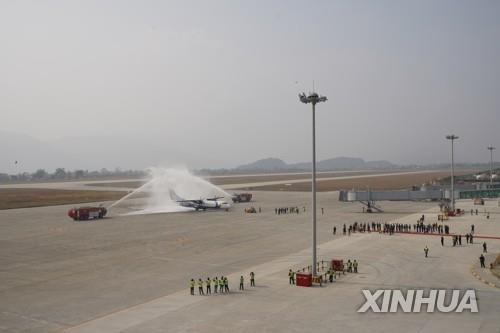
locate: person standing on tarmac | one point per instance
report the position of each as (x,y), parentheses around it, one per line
(426,250)
(334,230)
(355,265)
(226,284)
(291,277)
(221,284)
(200,287)
(485,249)
(209,287)
(242,280)
(481,260)
(349,266)
(442,240)
(191,286)
(252,279)
(216,283)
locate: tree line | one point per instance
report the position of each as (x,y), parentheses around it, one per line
(63,174)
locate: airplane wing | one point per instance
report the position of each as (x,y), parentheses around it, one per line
(214,198)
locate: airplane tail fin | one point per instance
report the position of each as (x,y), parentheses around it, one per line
(174,196)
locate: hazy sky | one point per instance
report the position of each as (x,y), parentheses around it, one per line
(216,82)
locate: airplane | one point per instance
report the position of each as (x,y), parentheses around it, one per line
(200,204)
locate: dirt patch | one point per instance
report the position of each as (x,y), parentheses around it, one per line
(30,197)
(390,182)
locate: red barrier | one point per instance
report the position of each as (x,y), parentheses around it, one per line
(337,265)
(303,279)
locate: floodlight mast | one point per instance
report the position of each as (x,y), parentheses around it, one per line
(452,137)
(491,148)
(313,98)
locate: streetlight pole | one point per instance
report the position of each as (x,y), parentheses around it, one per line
(452,137)
(491,148)
(313,98)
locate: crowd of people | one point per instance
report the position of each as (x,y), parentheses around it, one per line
(221,285)
(287,210)
(391,228)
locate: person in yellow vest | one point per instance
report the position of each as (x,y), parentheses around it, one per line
(191,286)
(216,284)
(349,266)
(209,287)
(221,284)
(200,287)
(355,265)
(291,277)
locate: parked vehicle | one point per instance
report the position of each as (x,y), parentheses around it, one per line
(242,197)
(87,213)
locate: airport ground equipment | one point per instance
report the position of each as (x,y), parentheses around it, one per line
(250,210)
(303,279)
(87,213)
(242,197)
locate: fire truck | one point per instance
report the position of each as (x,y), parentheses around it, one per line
(242,197)
(87,213)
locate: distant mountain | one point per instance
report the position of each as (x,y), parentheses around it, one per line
(266,164)
(337,163)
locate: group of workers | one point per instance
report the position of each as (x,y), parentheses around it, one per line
(287,210)
(221,285)
(391,228)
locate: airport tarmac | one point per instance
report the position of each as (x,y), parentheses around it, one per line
(131,273)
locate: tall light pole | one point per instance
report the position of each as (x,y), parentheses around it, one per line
(452,137)
(491,148)
(313,98)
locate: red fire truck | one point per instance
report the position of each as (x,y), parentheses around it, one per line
(87,213)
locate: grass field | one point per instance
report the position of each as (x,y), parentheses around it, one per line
(31,197)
